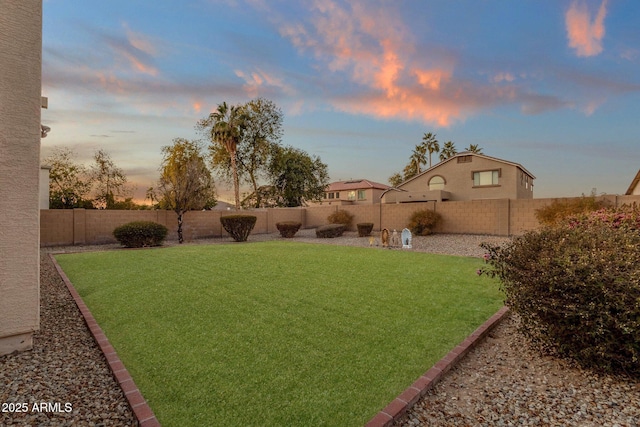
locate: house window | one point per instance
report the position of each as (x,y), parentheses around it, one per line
(351,195)
(331,195)
(484,178)
(465,159)
(362,194)
(436,183)
(337,194)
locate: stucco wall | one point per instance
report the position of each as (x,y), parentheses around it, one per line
(20,86)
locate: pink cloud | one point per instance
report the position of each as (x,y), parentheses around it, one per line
(585,35)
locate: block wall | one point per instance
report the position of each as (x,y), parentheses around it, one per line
(501,217)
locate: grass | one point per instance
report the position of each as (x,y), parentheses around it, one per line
(279,333)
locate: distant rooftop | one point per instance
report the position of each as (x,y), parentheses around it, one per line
(355,184)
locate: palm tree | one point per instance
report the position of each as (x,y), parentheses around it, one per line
(449,150)
(226,130)
(418,157)
(430,142)
(473,148)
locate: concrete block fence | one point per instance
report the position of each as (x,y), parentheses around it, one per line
(500,217)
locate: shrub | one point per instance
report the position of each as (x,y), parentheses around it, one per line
(288,229)
(330,230)
(558,211)
(238,226)
(341,217)
(139,234)
(577,291)
(364,228)
(423,222)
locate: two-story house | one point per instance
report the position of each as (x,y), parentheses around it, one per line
(354,192)
(465,176)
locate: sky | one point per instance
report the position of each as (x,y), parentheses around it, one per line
(551,84)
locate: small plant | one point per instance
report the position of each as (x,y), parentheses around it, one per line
(423,222)
(330,230)
(139,234)
(341,217)
(288,229)
(576,287)
(558,211)
(238,226)
(364,228)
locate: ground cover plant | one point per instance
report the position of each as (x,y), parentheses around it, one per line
(244,335)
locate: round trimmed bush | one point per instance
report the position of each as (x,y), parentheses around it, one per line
(576,288)
(238,226)
(330,230)
(138,234)
(288,229)
(422,223)
(364,228)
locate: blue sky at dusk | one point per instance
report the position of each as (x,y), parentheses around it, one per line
(552,85)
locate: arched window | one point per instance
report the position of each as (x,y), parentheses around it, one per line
(436,183)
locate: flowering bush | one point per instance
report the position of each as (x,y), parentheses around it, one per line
(627,217)
(576,287)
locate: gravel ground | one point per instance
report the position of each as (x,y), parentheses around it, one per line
(500,383)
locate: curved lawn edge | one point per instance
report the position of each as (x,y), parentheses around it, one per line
(137,402)
(405,401)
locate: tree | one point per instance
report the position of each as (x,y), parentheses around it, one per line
(109,179)
(418,158)
(226,127)
(473,148)
(395,179)
(185,182)
(261,131)
(69,182)
(297,177)
(431,144)
(448,151)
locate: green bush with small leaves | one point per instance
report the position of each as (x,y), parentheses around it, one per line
(238,226)
(364,228)
(422,222)
(558,211)
(288,229)
(330,231)
(341,217)
(140,234)
(576,287)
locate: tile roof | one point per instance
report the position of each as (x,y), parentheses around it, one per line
(355,184)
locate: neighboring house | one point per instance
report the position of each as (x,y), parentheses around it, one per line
(353,192)
(634,188)
(465,176)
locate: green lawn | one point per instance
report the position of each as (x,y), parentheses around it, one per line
(279,333)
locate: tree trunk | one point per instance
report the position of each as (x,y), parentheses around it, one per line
(180,239)
(236,181)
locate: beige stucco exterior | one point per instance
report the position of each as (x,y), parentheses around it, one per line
(634,187)
(20,87)
(457,173)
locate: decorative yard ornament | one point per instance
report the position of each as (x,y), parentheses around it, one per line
(384,236)
(406,239)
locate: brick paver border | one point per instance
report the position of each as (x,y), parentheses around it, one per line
(141,410)
(401,404)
